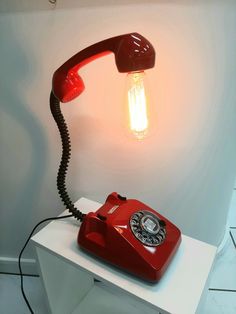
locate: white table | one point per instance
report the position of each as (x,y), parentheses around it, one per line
(68,275)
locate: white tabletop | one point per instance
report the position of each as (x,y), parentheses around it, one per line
(178,291)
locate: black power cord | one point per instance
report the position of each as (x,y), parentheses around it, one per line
(20,255)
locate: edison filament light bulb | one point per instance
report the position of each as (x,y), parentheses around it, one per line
(137,104)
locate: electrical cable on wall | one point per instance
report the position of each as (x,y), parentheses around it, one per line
(22,251)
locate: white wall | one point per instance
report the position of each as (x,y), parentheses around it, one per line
(185,168)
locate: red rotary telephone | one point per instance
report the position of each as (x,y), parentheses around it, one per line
(130,235)
(124,232)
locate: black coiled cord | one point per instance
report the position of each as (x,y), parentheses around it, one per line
(65,158)
(61,182)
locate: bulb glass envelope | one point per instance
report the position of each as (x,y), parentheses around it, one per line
(137,104)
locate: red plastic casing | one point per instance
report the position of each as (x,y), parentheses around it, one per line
(107,234)
(132,53)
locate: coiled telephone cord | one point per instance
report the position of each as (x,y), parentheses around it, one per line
(65,158)
(61,181)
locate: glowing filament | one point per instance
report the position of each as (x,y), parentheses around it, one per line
(137,103)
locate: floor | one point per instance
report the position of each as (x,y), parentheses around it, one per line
(220,298)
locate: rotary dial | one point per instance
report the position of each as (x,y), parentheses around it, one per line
(148,228)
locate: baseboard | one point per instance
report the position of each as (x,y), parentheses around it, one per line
(10,265)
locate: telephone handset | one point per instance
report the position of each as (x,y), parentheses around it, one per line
(130,235)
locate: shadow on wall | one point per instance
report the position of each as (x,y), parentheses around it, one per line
(23,141)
